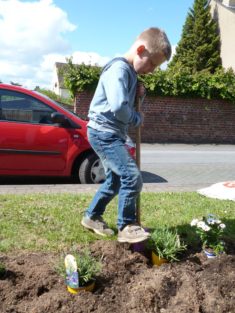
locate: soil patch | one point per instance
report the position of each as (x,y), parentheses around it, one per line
(128,283)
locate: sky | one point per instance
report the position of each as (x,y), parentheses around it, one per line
(34,34)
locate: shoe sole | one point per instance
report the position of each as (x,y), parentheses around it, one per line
(95,230)
(134,240)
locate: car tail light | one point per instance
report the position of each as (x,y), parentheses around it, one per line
(130,146)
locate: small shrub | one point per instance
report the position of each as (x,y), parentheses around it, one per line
(166,244)
(88,266)
(210,230)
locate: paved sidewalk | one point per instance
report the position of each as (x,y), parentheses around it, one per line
(76,188)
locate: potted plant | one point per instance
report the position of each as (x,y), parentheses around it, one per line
(210,230)
(81,269)
(165,245)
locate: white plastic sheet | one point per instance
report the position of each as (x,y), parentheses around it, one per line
(222,190)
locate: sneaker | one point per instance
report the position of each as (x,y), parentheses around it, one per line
(98,225)
(132,234)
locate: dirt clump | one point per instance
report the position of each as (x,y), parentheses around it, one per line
(128,283)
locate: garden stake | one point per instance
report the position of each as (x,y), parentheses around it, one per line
(140,246)
(138,141)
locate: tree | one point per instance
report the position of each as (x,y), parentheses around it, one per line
(199,46)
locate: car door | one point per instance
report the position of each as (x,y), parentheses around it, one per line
(29,141)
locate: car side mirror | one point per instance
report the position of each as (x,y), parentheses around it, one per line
(61,119)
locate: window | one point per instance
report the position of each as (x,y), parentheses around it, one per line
(15,106)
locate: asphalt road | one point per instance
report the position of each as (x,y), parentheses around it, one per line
(165,167)
(187,167)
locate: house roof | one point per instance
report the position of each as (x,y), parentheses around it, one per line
(60,67)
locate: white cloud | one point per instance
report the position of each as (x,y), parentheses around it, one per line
(31,34)
(32,39)
(89,58)
(45,74)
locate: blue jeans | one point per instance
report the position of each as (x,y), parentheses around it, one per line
(122,177)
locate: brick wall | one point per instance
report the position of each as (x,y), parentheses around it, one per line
(179,120)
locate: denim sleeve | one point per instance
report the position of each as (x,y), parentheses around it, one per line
(116,85)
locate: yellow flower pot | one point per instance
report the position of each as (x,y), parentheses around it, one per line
(90,287)
(156,260)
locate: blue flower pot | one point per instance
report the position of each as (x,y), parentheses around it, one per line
(210,254)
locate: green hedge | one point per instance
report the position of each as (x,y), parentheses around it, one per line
(78,78)
(178,83)
(220,85)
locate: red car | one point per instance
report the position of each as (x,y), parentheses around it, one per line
(38,137)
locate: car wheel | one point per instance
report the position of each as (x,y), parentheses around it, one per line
(91,170)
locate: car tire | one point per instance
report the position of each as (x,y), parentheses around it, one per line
(91,170)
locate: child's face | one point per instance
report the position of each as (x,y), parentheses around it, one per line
(145,63)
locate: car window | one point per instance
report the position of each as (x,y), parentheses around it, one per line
(16,106)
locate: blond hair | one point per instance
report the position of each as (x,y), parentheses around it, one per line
(156,40)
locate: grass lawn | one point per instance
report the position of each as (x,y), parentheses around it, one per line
(41,222)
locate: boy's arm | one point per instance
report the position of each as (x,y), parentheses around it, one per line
(117,93)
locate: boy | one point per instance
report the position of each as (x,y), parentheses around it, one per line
(111,112)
